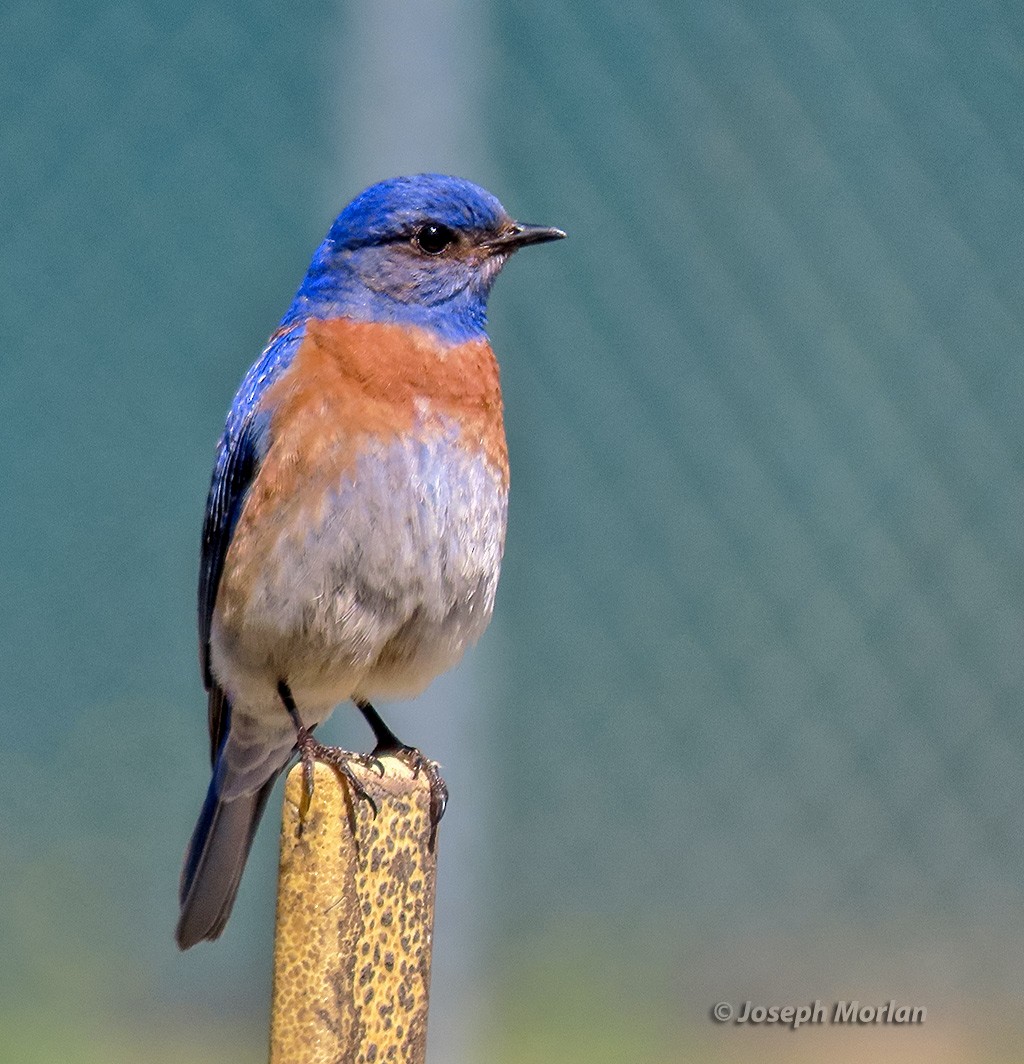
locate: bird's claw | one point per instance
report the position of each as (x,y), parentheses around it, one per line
(416,761)
(311,751)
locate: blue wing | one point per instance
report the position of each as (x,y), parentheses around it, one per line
(239,454)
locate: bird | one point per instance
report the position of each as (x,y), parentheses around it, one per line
(355,522)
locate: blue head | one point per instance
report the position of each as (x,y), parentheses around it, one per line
(421,250)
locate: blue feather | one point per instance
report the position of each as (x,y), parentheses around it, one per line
(239,454)
(364,269)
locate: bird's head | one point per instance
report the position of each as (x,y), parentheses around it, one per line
(421,250)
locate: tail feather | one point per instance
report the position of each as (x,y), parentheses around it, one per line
(215,859)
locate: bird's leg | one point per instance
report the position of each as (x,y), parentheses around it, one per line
(310,751)
(389,743)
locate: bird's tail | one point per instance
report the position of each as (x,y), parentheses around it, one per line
(215,858)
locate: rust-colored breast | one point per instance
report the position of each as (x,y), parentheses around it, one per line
(349,384)
(352,379)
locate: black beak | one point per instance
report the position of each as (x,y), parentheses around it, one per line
(518,236)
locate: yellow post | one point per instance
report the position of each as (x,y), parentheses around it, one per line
(355,920)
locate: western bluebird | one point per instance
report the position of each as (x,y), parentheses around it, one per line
(356,516)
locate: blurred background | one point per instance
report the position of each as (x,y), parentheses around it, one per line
(748,722)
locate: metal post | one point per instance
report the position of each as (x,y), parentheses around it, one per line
(355,918)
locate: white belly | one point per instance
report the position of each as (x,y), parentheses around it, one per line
(376,590)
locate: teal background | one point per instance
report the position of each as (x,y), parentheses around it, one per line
(748,722)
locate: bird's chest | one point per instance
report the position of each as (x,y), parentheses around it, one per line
(371,538)
(392,525)
(380,574)
(414,526)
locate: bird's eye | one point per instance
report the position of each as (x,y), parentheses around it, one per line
(433,238)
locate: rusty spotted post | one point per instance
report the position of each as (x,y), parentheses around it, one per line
(355,918)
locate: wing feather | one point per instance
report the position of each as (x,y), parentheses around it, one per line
(239,454)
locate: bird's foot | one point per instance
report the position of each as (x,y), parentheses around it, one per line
(412,757)
(388,743)
(311,751)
